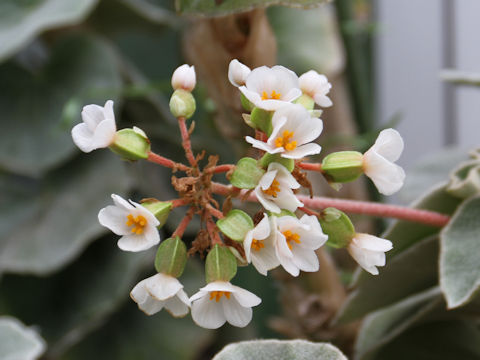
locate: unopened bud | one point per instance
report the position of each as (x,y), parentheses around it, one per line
(220,265)
(343,166)
(131,144)
(306,101)
(161,209)
(171,257)
(182,104)
(262,119)
(237,72)
(184,78)
(337,225)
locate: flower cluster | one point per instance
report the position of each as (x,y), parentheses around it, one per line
(280,107)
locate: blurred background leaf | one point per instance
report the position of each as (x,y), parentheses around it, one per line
(18,342)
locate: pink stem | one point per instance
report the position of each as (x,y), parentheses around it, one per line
(179,202)
(184,223)
(215,212)
(356,207)
(160,160)
(310,166)
(220,168)
(212,232)
(187,145)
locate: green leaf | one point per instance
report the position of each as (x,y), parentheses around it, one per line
(48,228)
(236,224)
(384,325)
(443,340)
(17,342)
(78,299)
(212,7)
(33,136)
(465,180)
(247,174)
(459,261)
(408,273)
(280,350)
(21,21)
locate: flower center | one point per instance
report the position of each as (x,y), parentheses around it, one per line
(274,95)
(289,236)
(273,189)
(257,244)
(284,141)
(218,294)
(138,223)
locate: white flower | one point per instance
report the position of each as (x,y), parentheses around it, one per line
(292,134)
(274,190)
(98,128)
(260,248)
(161,291)
(221,301)
(317,87)
(135,223)
(270,88)
(296,242)
(184,78)
(369,251)
(237,73)
(378,162)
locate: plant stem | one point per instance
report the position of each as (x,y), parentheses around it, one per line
(184,223)
(187,145)
(160,160)
(179,202)
(354,207)
(214,212)
(310,166)
(212,232)
(220,169)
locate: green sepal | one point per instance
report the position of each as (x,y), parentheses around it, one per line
(247,104)
(337,225)
(161,209)
(247,174)
(262,119)
(182,104)
(269,158)
(171,257)
(282,212)
(306,101)
(236,224)
(343,166)
(220,265)
(465,180)
(131,144)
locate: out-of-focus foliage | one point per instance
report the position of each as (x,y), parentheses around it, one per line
(18,342)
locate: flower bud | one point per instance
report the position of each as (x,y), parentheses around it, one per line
(306,101)
(171,257)
(271,158)
(160,209)
(220,265)
(235,225)
(184,78)
(337,225)
(262,119)
(343,166)
(131,144)
(182,104)
(237,73)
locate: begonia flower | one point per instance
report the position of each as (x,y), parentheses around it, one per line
(184,77)
(369,251)
(237,73)
(317,87)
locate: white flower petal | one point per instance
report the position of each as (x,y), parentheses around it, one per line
(134,243)
(121,202)
(374,243)
(252,96)
(184,77)
(322,100)
(287,200)
(151,306)
(284,176)
(302,151)
(237,73)
(82,137)
(208,313)
(104,134)
(305,259)
(292,94)
(262,230)
(93,114)
(309,130)
(265,259)
(267,179)
(114,218)
(218,286)
(247,245)
(262,145)
(244,297)
(266,201)
(387,176)
(139,294)
(178,305)
(236,314)
(389,144)
(162,286)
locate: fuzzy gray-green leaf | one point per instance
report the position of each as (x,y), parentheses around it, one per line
(17,342)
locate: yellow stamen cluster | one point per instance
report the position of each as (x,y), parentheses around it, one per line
(274,189)
(218,294)
(284,141)
(257,244)
(138,223)
(274,95)
(291,237)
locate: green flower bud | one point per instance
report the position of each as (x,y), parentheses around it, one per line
(220,265)
(269,158)
(161,209)
(131,144)
(171,257)
(247,104)
(337,225)
(235,225)
(262,120)
(343,166)
(247,174)
(306,101)
(182,104)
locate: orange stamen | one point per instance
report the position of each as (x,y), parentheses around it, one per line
(218,294)
(257,244)
(289,236)
(138,223)
(273,189)
(284,141)
(274,95)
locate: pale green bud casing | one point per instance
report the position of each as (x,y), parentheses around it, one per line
(270,158)
(182,104)
(171,257)
(247,174)
(337,225)
(236,225)
(343,166)
(282,212)
(161,209)
(247,104)
(306,101)
(131,144)
(262,119)
(220,265)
